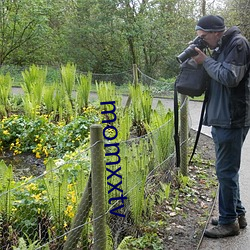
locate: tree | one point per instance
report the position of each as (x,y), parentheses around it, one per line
(20,22)
(237,13)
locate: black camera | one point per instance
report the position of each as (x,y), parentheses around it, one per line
(190,51)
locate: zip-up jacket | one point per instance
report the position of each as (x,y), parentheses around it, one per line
(228,104)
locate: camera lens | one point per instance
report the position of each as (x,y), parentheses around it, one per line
(187,53)
(190,51)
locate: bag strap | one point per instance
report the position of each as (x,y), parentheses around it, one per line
(176,126)
(199,127)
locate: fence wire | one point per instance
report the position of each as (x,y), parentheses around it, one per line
(44,211)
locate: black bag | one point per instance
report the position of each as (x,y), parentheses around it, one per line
(192,80)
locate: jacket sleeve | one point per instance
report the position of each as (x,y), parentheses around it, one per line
(234,66)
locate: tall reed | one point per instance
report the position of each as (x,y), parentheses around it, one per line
(56,184)
(6,184)
(68,74)
(83,90)
(48,97)
(141,106)
(106,92)
(160,129)
(5,90)
(33,86)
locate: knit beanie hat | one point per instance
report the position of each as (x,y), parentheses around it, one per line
(210,23)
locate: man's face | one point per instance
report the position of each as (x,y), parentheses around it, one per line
(211,38)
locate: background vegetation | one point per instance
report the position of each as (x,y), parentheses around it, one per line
(104,36)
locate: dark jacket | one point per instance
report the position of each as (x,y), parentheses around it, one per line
(229,90)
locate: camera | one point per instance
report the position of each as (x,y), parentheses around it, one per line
(190,51)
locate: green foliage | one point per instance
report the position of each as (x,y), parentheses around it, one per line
(141,103)
(161,126)
(57,188)
(55,196)
(134,170)
(106,92)
(124,124)
(6,184)
(34,81)
(103,36)
(83,90)
(30,206)
(164,192)
(5,90)
(48,98)
(68,74)
(147,241)
(29,245)
(43,137)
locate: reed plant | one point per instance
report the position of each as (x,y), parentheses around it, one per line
(62,106)
(124,125)
(6,196)
(56,184)
(83,90)
(106,92)
(33,86)
(137,169)
(141,106)
(68,74)
(160,130)
(48,98)
(134,164)
(5,90)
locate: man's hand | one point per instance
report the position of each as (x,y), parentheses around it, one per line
(200,58)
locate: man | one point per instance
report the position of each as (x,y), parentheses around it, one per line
(228,112)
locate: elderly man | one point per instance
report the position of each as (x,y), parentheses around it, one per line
(228,112)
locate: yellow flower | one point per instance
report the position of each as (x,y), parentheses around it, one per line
(73,199)
(14,209)
(31,187)
(38,156)
(37,196)
(69,211)
(6,132)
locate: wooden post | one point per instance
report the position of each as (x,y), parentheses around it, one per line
(135,82)
(80,218)
(98,187)
(184,135)
(135,74)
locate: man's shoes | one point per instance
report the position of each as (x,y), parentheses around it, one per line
(221,231)
(241,219)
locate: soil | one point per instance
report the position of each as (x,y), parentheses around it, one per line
(25,164)
(186,223)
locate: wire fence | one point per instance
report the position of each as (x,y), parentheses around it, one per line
(158,87)
(57,209)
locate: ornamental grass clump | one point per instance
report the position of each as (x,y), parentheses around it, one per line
(83,91)
(5,91)
(33,85)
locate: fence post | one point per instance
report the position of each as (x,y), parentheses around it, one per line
(80,218)
(184,135)
(98,187)
(135,74)
(135,82)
